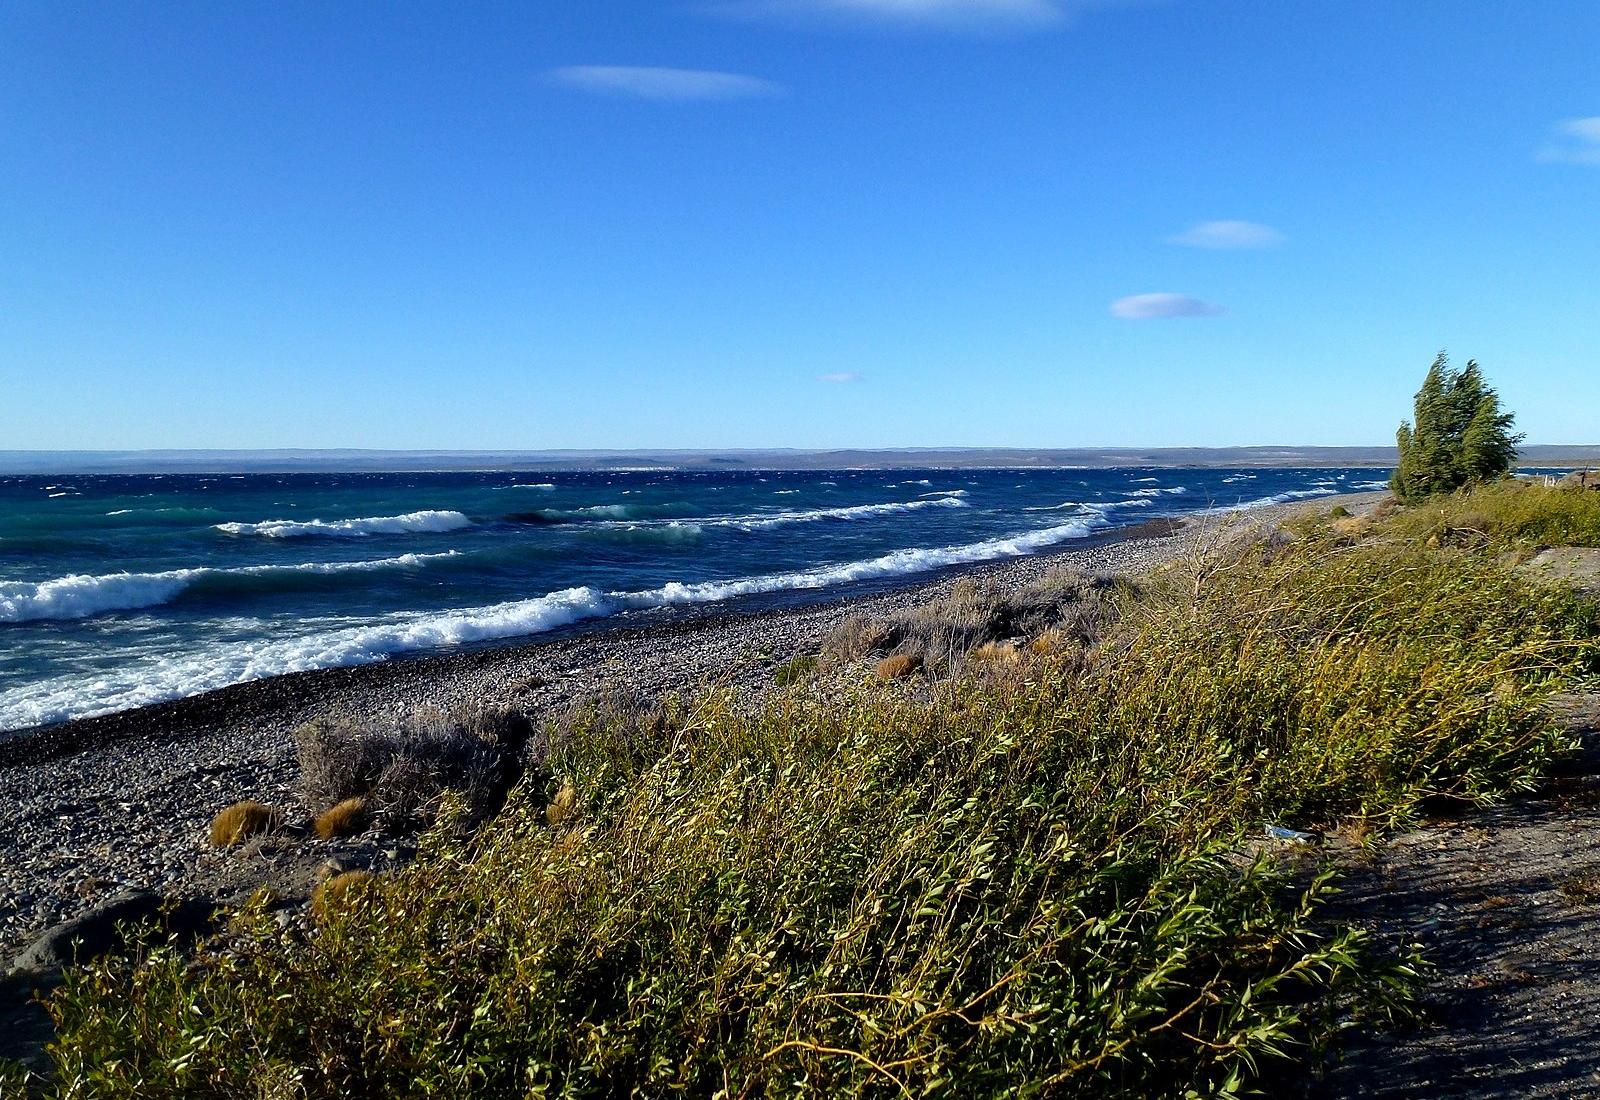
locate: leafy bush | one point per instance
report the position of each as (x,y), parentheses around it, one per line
(1036,891)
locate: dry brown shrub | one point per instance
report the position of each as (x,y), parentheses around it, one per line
(243,820)
(999,653)
(403,765)
(346,818)
(853,639)
(896,666)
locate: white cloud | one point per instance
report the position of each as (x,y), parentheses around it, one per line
(840,378)
(642,82)
(1228,234)
(1577,141)
(948,14)
(1150,307)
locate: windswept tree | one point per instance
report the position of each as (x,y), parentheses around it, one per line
(1458,434)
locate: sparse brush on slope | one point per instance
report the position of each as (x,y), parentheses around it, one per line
(938,635)
(1511,514)
(959,892)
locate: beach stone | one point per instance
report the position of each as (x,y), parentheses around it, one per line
(98,930)
(1578,565)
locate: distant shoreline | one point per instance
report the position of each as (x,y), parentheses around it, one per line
(286,461)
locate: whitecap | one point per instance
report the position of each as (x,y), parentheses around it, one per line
(767,521)
(82,595)
(425,522)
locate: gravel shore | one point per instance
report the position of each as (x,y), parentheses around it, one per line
(103,805)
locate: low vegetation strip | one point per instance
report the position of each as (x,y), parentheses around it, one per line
(1019,877)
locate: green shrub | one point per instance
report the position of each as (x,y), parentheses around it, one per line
(795,670)
(1508,514)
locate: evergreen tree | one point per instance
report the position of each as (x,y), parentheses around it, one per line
(1457,435)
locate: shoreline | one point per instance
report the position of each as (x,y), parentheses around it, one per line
(191,713)
(99,806)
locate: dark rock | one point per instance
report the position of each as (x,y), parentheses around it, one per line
(103,929)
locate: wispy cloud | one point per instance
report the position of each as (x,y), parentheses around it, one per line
(1228,234)
(1576,141)
(973,15)
(840,378)
(642,82)
(1152,307)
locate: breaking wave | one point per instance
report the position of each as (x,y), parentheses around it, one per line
(429,522)
(768,520)
(83,595)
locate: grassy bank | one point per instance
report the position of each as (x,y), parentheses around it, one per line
(1025,872)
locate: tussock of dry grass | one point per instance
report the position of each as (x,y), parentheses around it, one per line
(241,821)
(897,666)
(562,806)
(334,893)
(346,818)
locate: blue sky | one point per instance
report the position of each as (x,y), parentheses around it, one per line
(791,223)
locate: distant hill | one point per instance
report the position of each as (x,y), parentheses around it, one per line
(275,461)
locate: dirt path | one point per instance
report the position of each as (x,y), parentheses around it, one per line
(1506,904)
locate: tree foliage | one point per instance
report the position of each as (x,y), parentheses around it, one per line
(1458,435)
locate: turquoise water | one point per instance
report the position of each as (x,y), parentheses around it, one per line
(117,591)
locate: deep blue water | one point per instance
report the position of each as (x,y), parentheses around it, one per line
(116,591)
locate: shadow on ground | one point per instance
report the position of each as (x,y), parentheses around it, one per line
(1506,905)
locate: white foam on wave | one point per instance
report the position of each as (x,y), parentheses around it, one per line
(768,520)
(1281,498)
(426,522)
(1173,491)
(156,679)
(82,595)
(945,493)
(1101,509)
(1238,477)
(545,485)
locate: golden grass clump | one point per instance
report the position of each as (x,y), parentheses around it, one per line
(1000,653)
(1051,642)
(345,818)
(897,666)
(241,821)
(562,806)
(336,890)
